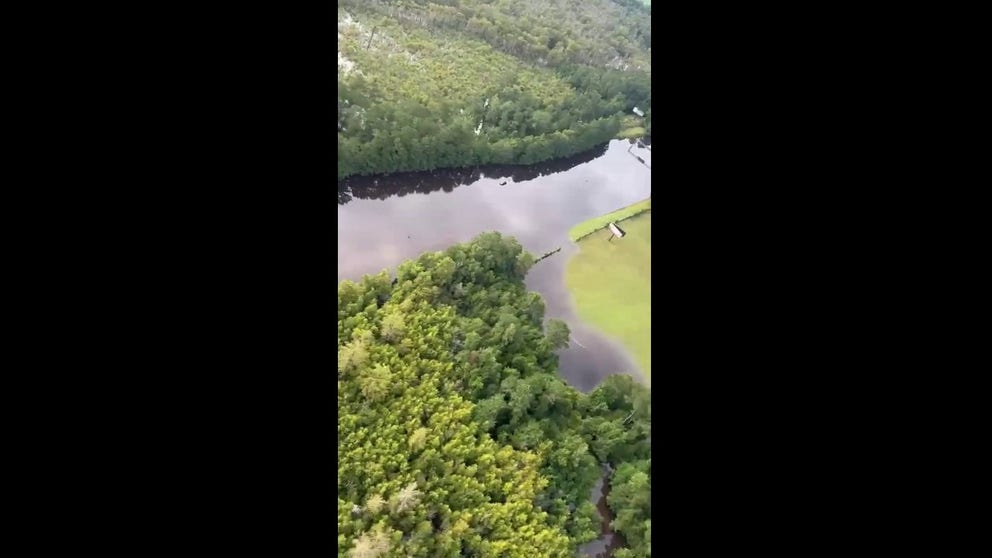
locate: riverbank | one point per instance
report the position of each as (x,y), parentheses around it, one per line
(585,228)
(609,540)
(610,283)
(381,224)
(375,186)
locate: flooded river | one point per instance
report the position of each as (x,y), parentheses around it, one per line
(385,220)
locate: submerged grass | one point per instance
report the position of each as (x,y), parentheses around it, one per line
(586,228)
(610,282)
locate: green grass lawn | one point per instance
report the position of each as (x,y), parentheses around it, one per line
(611,285)
(596,223)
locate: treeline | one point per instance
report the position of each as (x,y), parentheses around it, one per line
(456,145)
(514,127)
(456,435)
(381,187)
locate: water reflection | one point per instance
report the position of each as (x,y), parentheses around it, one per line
(400,217)
(591,356)
(400,184)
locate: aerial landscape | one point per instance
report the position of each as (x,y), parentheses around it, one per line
(494,278)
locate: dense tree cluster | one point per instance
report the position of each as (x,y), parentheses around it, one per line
(456,435)
(630,500)
(552,32)
(424,85)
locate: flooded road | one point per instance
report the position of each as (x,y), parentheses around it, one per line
(385,220)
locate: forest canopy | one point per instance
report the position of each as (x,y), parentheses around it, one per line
(457,436)
(424,85)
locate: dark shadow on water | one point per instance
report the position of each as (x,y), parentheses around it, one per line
(590,355)
(381,187)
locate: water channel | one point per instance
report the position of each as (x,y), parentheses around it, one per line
(387,219)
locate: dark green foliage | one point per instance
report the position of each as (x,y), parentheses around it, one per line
(558,334)
(630,500)
(545,80)
(617,420)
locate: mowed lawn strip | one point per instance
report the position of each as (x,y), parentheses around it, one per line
(610,282)
(592,225)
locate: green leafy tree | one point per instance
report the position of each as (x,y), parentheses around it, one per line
(630,500)
(557,334)
(464,423)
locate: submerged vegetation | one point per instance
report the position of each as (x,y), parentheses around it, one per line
(610,282)
(424,84)
(457,436)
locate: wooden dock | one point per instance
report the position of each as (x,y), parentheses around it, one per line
(551,253)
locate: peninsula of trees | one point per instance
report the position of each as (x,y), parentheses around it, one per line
(456,435)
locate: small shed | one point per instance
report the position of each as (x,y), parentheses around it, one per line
(616,230)
(638,111)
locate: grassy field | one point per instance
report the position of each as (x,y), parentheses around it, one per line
(596,223)
(611,285)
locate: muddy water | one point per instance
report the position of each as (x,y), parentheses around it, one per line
(385,220)
(609,540)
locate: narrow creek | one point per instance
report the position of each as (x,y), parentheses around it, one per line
(609,540)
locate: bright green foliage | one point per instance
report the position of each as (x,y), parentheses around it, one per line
(456,435)
(587,522)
